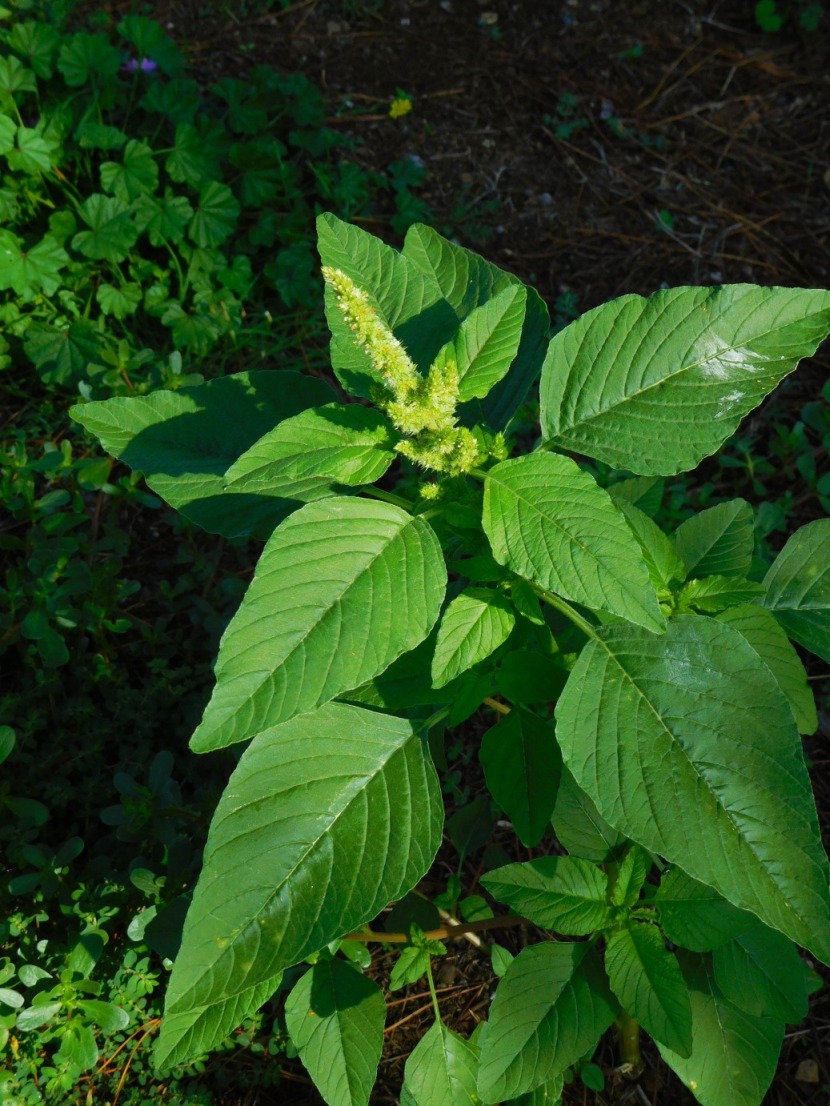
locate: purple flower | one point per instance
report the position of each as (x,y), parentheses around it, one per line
(146,65)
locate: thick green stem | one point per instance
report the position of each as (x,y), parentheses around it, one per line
(628,1035)
(566,609)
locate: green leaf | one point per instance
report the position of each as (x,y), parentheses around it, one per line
(7,740)
(137,173)
(695,916)
(663,563)
(185,441)
(526,601)
(486,342)
(734,1055)
(311,807)
(643,492)
(31,271)
(62,356)
(717,593)
(315,449)
(767,638)
(550,1009)
(579,825)
(14,77)
(631,875)
(164,220)
(467,281)
(34,154)
(473,626)
(655,385)
(718,541)
(214,218)
(8,129)
(560,893)
(522,765)
(37,42)
(798,587)
(85,58)
(525,677)
(99,136)
(106,1015)
(686,745)
(411,965)
(191,160)
(77,1048)
(343,587)
(441,1069)
(647,980)
(112,232)
(408,301)
(548,1094)
(761,973)
(121,301)
(548,521)
(335,1017)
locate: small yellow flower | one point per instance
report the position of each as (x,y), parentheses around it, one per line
(399,107)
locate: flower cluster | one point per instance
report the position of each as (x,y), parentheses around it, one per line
(423,408)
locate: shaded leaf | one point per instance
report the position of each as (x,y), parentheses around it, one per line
(718,541)
(798,587)
(441,1069)
(335,1016)
(522,765)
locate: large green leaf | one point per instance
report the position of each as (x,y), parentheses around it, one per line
(655,385)
(548,1094)
(487,342)
(473,626)
(215,215)
(135,175)
(112,231)
(718,541)
(323,445)
(467,281)
(695,916)
(409,302)
(335,1016)
(29,271)
(734,1055)
(548,521)
(441,1069)
(185,441)
(647,980)
(326,819)
(770,642)
(687,745)
(760,972)
(522,766)
(550,1009)
(798,587)
(561,893)
(344,586)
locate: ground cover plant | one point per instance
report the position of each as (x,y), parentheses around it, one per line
(420,562)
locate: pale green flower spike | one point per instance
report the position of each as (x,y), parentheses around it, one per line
(421,407)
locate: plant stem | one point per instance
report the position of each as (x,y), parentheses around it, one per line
(431,983)
(442,934)
(628,1035)
(565,608)
(387,497)
(494,704)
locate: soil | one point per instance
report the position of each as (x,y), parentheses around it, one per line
(594,149)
